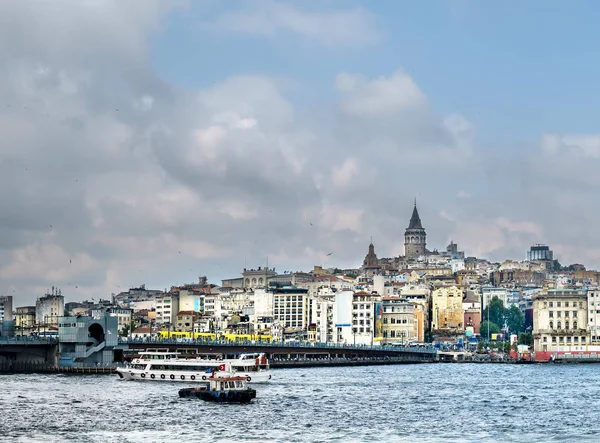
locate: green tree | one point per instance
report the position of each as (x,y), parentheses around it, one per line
(525,338)
(480,346)
(497,312)
(514,319)
(127,329)
(494,329)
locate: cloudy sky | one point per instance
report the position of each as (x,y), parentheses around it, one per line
(153,141)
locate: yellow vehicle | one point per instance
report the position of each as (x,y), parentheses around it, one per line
(234,338)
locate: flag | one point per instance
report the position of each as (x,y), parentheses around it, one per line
(222,367)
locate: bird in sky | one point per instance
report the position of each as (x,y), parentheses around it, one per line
(329,254)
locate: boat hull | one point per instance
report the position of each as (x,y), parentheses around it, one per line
(185,376)
(244,396)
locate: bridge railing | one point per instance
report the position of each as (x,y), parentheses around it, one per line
(297,344)
(28,340)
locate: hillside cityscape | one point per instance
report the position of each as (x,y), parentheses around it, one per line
(535,306)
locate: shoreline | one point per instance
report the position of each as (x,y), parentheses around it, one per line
(106,370)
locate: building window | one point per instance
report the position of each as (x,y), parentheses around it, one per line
(566,325)
(553,339)
(550,304)
(574,314)
(558,325)
(575,325)
(552,325)
(551,314)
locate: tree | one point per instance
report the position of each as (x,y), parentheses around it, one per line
(514,319)
(127,329)
(496,311)
(525,338)
(494,329)
(480,346)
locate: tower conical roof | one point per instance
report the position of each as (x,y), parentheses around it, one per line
(415,220)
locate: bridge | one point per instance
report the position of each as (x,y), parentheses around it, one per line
(18,352)
(281,353)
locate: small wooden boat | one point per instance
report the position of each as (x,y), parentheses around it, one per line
(222,390)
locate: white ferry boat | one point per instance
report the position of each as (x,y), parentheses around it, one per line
(168,366)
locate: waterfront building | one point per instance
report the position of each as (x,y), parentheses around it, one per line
(24,320)
(363,322)
(87,340)
(447,310)
(342,315)
(560,321)
(187,321)
(398,320)
(290,307)
(320,321)
(7,324)
(49,308)
(167,308)
(124,316)
(593,303)
(420,295)
(191,300)
(415,238)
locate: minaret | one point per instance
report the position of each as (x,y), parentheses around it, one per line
(415,238)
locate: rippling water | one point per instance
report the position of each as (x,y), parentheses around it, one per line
(434,402)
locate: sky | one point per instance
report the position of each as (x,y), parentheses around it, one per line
(153,141)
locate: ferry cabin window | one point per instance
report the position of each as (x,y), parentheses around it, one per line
(179,368)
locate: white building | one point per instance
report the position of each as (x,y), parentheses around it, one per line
(167,308)
(290,307)
(342,316)
(363,318)
(191,301)
(560,321)
(49,308)
(263,303)
(489,292)
(321,322)
(593,303)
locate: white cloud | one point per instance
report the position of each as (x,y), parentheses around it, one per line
(330,27)
(586,145)
(342,175)
(382,95)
